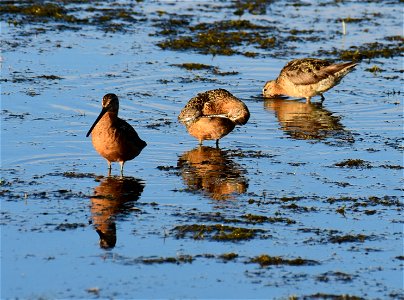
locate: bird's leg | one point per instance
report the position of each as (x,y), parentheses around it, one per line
(200,143)
(109,168)
(217,143)
(121,163)
(322,98)
(308,100)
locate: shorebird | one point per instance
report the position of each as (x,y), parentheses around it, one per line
(213,114)
(113,138)
(307,77)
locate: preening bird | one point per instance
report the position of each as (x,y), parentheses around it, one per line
(213,114)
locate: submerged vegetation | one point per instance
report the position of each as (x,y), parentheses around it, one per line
(220,37)
(39,12)
(267,260)
(242,36)
(174,260)
(353,163)
(328,297)
(349,238)
(393,48)
(256,7)
(199,66)
(182,33)
(257,219)
(217,232)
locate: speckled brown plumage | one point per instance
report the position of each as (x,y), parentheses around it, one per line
(213,114)
(113,138)
(307,78)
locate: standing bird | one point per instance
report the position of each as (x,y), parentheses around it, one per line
(213,114)
(113,138)
(306,78)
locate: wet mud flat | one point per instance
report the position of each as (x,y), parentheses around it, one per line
(303,202)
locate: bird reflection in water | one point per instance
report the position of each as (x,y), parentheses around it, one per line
(305,121)
(212,172)
(113,198)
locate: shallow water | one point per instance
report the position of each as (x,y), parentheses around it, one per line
(280,177)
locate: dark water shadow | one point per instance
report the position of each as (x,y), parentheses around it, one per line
(113,199)
(307,121)
(212,172)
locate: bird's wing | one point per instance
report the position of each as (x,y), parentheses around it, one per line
(309,71)
(128,131)
(217,103)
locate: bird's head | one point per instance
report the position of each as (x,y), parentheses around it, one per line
(110,103)
(268,90)
(189,115)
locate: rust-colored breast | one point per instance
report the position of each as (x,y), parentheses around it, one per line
(210,128)
(116,140)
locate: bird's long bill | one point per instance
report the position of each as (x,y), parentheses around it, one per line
(103,111)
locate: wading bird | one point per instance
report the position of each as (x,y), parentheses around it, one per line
(306,78)
(213,114)
(113,138)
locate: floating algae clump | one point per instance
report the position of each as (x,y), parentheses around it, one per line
(39,11)
(266,260)
(256,7)
(349,238)
(370,50)
(174,260)
(353,163)
(219,37)
(216,232)
(194,66)
(250,218)
(228,256)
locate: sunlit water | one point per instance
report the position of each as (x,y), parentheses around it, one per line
(50,247)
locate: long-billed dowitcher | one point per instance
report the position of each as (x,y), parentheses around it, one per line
(113,138)
(213,114)
(306,78)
